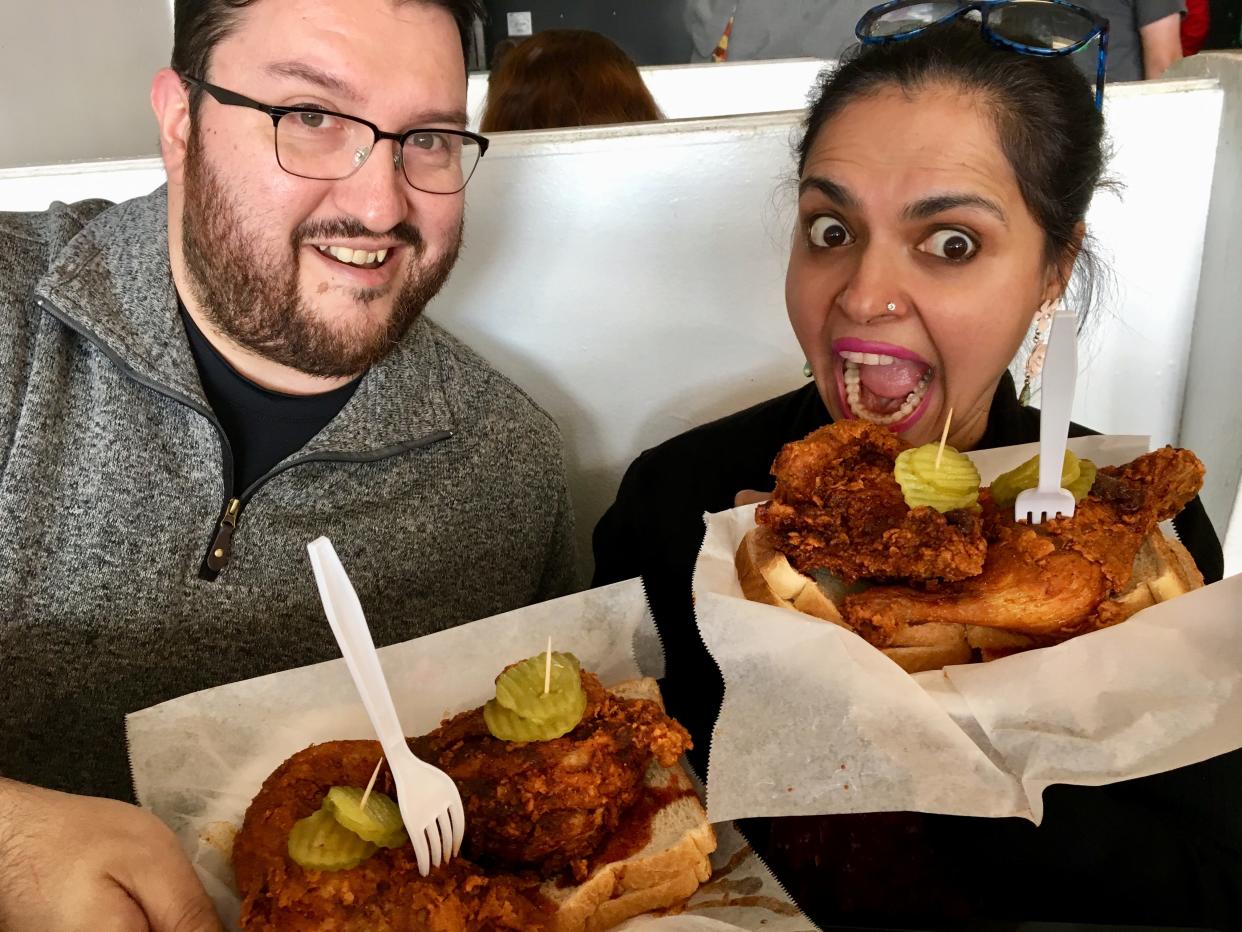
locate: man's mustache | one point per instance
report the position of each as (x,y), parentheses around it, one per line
(348,228)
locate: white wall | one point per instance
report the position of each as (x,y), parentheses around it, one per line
(75,77)
(631,278)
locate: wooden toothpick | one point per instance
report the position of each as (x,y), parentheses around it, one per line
(547,670)
(370,786)
(944,435)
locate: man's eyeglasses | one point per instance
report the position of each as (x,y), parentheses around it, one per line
(328,146)
(1033,27)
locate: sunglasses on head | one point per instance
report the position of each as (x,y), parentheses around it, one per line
(1046,28)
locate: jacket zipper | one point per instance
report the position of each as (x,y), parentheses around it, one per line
(220,547)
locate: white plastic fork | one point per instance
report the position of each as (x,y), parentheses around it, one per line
(430,802)
(1048,500)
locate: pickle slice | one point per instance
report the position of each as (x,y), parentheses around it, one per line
(379,823)
(1007,486)
(507,725)
(953,485)
(321,843)
(1081,487)
(520,689)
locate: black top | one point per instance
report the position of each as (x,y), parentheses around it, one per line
(263,427)
(1165,849)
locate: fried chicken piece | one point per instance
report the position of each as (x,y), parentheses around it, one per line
(385,893)
(547,805)
(1050,579)
(838,508)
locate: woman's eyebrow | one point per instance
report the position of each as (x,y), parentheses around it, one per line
(829,189)
(928,207)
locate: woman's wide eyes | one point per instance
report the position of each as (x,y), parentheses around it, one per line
(953,245)
(829,232)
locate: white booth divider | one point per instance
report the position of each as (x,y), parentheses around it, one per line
(631,278)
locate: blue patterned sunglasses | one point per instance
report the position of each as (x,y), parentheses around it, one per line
(1047,28)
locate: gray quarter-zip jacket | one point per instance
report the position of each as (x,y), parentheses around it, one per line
(440,483)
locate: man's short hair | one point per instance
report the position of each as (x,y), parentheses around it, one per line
(198,25)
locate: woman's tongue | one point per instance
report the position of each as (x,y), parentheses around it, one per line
(884,388)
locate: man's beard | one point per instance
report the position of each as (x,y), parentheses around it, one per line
(255,300)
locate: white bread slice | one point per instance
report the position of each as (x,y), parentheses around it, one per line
(666,871)
(1177,570)
(766,576)
(930,646)
(930,657)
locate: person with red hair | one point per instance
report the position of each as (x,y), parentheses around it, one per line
(566,77)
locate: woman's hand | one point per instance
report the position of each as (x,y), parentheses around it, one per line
(750,497)
(78,863)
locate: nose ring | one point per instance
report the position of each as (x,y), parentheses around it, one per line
(891,306)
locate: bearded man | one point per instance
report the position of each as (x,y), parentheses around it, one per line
(196,383)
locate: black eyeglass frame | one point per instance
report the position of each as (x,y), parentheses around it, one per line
(233,99)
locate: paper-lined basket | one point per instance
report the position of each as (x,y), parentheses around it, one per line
(817,721)
(199,760)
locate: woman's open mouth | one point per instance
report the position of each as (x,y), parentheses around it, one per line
(882,384)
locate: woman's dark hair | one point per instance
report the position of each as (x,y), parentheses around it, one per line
(1043,110)
(198,25)
(566,77)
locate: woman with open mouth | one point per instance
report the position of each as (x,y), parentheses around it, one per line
(944,177)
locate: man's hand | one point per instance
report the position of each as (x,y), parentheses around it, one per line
(77,863)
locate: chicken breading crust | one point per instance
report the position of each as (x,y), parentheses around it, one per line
(383,894)
(548,805)
(838,508)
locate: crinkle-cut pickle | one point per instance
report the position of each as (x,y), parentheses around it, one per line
(952,485)
(507,725)
(320,842)
(520,688)
(379,823)
(1077,475)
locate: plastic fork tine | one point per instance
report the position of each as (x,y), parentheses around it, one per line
(459,826)
(445,828)
(421,852)
(432,832)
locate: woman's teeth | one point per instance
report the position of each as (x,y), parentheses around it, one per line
(357,257)
(853,389)
(868,359)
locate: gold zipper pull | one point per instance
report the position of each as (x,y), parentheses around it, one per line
(222,543)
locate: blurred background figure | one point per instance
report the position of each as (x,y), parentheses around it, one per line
(767,29)
(566,77)
(1195,26)
(503,48)
(1145,36)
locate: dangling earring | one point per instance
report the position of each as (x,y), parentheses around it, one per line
(806,369)
(1035,362)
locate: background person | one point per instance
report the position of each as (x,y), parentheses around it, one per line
(566,77)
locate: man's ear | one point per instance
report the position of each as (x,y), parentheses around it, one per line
(1060,272)
(171,102)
